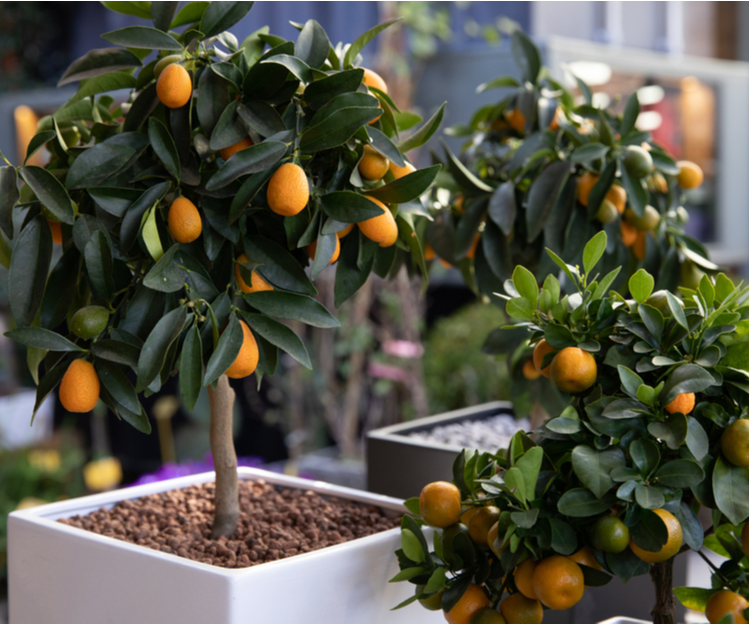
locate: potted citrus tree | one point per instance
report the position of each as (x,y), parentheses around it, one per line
(193,218)
(655,429)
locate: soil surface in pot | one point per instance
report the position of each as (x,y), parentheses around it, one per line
(276,523)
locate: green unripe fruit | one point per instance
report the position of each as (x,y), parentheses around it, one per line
(167,60)
(433,603)
(89,322)
(638,162)
(610,534)
(648,221)
(607,212)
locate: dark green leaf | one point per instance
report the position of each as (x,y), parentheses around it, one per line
(336,129)
(166,275)
(29,266)
(251,160)
(650,533)
(279,266)
(143,37)
(213,99)
(230,129)
(261,117)
(191,12)
(153,353)
(645,456)
(626,564)
(502,207)
(601,188)
(97,62)
(686,378)
(320,92)
(504,81)
(296,66)
(637,194)
(312,45)
(280,335)
(349,277)
(40,338)
(407,188)
(594,468)
(468,182)
(61,289)
(8,197)
(543,195)
(163,144)
(220,16)
(363,40)
(526,56)
(386,147)
(116,351)
(349,207)
(673,431)
(162,14)
(98,163)
(731,490)
(111,81)
(136,8)
(191,368)
(283,305)
(423,134)
(118,385)
(115,201)
(581,503)
(50,191)
(589,152)
(631,113)
(226,352)
(691,527)
(98,257)
(680,473)
(697,440)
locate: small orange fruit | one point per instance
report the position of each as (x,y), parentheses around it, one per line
(584,556)
(439,504)
(288,190)
(429,253)
(629,233)
(683,403)
(312,248)
(617,196)
(373,165)
(640,245)
(185,224)
(558,582)
(399,172)
(584,185)
(523,575)
(380,229)
(724,602)
(373,79)
(228,152)
(79,390)
(495,540)
(346,230)
(481,522)
(56,232)
(734,442)
(471,602)
(670,548)
(466,516)
(516,119)
(258,283)
(542,348)
(530,371)
(573,370)
(174,86)
(246,361)
(474,245)
(690,175)
(517,609)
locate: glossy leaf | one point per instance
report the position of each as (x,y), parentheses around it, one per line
(118,385)
(143,37)
(594,468)
(153,353)
(220,16)
(407,188)
(526,56)
(262,118)
(40,338)
(425,132)
(50,191)
(686,378)
(97,62)
(116,351)
(312,45)
(163,144)
(98,257)
(280,335)
(502,207)
(731,490)
(166,275)
(29,266)
(111,81)
(362,40)
(322,91)
(226,351)
(543,195)
(582,503)
(8,198)
(279,266)
(349,207)
(251,160)
(283,305)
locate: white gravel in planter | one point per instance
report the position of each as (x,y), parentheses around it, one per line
(488,434)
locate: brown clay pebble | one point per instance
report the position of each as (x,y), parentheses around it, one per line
(275,523)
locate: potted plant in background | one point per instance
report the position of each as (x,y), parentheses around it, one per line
(655,428)
(188,214)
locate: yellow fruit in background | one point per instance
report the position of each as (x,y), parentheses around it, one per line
(46,460)
(258,283)
(471,602)
(584,185)
(530,371)
(734,442)
(724,602)
(185,224)
(648,221)
(373,79)
(228,152)
(690,174)
(79,389)
(439,504)
(617,196)
(573,370)
(670,548)
(380,229)
(288,190)
(56,229)
(399,172)
(102,474)
(481,522)
(312,248)
(246,361)
(607,212)
(174,86)
(683,403)
(558,582)
(629,233)
(517,609)
(373,165)
(584,556)
(637,161)
(516,119)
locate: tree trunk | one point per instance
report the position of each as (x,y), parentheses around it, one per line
(226,497)
(663,578)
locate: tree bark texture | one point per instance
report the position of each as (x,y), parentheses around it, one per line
(226,497)
(664,611)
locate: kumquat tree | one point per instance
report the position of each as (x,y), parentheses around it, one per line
(193,217)
(655,428)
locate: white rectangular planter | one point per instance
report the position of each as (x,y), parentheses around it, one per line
(64,575)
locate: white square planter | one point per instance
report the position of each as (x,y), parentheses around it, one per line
(67,575)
